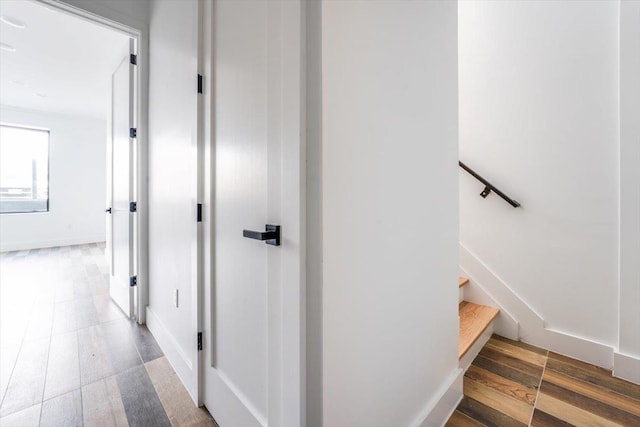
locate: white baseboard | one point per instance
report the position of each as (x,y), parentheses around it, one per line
(626,367)
(530,323)
(580,348)
(39,244)
(439,410)
(176,356)
(532,328)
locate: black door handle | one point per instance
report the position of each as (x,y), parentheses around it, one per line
(108,210)
(271,235)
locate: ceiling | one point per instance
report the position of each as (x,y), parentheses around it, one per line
(61,63)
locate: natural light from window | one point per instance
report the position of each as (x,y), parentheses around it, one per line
(24,170)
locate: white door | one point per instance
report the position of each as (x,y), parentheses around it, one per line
(253,364)
(121,221)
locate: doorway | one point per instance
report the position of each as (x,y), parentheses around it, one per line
(59,97)
(65,344)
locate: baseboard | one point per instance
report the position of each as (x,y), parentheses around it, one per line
(178,359)
(532,328)
(505,324)
(626,367)
(530,323)
(39,244)
(580,348)
(442,406)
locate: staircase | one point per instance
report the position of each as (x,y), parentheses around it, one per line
(475,326)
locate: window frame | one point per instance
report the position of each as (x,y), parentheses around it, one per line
(48,132)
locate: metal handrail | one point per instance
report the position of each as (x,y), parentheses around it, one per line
(488,187)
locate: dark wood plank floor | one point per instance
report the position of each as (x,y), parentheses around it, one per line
(515,384)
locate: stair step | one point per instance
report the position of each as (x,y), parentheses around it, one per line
(458,419)
(462,281)
(474,320)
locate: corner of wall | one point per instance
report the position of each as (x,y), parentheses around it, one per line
(180,361)
(626,367)
(533,329)
(444,404)
(530,325)
(627,355)
(505,324)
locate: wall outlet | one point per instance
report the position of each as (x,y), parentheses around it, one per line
(175,298)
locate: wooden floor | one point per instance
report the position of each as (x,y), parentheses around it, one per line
(70,357)
(474,320)
(515,384)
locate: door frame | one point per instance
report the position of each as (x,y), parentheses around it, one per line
(140,221)
(289,408)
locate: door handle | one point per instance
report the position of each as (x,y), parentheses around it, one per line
(108,210)
(271,236)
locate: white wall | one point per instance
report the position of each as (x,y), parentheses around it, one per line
(172,183)
(539,118)
(77,184)
(389,182)
(629,339)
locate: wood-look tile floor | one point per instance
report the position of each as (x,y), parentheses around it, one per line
(68,354)
(511,383)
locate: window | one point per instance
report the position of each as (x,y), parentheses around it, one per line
(24,170)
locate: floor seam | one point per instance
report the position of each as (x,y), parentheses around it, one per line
(80,377)
(535,403)
(44,386)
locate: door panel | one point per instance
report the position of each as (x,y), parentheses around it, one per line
(242,164)
(121,186)
(241,183)
(245,382)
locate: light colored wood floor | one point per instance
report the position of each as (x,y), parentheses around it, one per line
(70,357)
(474,319)
(515,384)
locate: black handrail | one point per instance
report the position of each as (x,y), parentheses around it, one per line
(488,187)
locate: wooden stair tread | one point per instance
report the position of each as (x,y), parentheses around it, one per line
(474,320)
(462,281)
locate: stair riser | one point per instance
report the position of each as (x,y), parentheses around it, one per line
(466,360)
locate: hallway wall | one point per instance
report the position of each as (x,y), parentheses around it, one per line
(629,345)
(539,118)
(77,184)
(389,211)
(173,184)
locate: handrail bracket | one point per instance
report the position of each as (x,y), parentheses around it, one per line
(488,187)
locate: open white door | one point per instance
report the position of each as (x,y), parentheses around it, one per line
(253,354)
(121,180)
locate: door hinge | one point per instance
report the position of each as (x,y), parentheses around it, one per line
(133,207)
(133,280)
(133,59)
(199,219)
(199,341)
(200,83)
(133,133)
